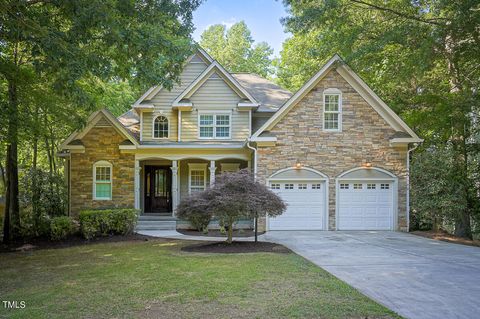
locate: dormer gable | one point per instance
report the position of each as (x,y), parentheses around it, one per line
(215,71)
(145,101)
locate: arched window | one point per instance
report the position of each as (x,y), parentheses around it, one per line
(102,180)
(160,127)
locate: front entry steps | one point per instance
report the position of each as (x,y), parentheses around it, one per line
(156,222)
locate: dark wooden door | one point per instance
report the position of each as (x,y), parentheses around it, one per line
(158,189)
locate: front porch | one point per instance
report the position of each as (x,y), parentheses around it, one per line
(162,181)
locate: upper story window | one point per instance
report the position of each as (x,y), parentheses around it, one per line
(332,110)
(214,126)
(160,127)
(102,180)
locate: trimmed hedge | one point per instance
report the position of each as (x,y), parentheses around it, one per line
(95,223)
(62,227)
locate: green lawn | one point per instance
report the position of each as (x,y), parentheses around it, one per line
(154,279)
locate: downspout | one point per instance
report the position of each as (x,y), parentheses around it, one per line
(254,158)
(179,128)
(415,145)
(255,224)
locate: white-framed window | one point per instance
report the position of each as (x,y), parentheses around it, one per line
(302,186)
(275,186)
(332,110)
(357,186)
(214,126)
(344,186)
(102,180)
(371,186)
(288,186)
(160,127)
(197,177)
(384,186)
(316,186)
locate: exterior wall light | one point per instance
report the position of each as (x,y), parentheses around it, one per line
(298,165)
(367,165)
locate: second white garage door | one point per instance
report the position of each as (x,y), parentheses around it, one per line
(365,205)
(305,205)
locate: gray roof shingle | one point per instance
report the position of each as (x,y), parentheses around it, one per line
(270,96)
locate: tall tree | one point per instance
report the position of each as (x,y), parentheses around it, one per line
(61,49)
(422,57)
(235,49)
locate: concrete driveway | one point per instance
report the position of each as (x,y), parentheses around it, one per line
(413,276)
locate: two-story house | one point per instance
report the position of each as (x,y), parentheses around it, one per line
(334,151)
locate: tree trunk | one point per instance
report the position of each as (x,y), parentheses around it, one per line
(6,216)
(35,152)
(256,229)
(230,231)
(462,226)
(2,173)
(12,210)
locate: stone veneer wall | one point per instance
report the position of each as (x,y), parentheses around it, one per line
(365,137)
(101,143)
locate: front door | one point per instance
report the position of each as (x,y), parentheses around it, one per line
(158,186)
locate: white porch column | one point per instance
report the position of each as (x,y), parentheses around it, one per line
(174,169)
(136,186)
(212,169)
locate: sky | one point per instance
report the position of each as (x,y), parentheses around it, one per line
(261,16)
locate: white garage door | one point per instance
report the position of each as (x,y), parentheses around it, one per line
(365,206)
(305,205)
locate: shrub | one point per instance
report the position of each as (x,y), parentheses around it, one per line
(61,227)
(94,223)
(34,226)
(194,208)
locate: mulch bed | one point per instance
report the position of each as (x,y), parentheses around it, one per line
(236,247)
(444,236)
(217,233)
(45,243)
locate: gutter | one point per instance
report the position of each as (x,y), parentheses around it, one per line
(415,145)
(254,158)
(255,224)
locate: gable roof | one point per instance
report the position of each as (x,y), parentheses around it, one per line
(151,92)
(73,140)
(358,84)
(213,68)
(270,96)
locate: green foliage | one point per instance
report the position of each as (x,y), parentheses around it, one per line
(235,49)
(43,195)
(437,190)
(61,60)
(33,225)
(43,192)
(94,223)
(62,227)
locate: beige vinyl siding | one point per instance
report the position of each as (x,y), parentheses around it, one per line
(184,175)
(215,96)
(164,98)
(172,124)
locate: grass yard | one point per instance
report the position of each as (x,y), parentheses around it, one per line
(154,279)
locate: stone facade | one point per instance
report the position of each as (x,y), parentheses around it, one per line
(364,138)
(101,143)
